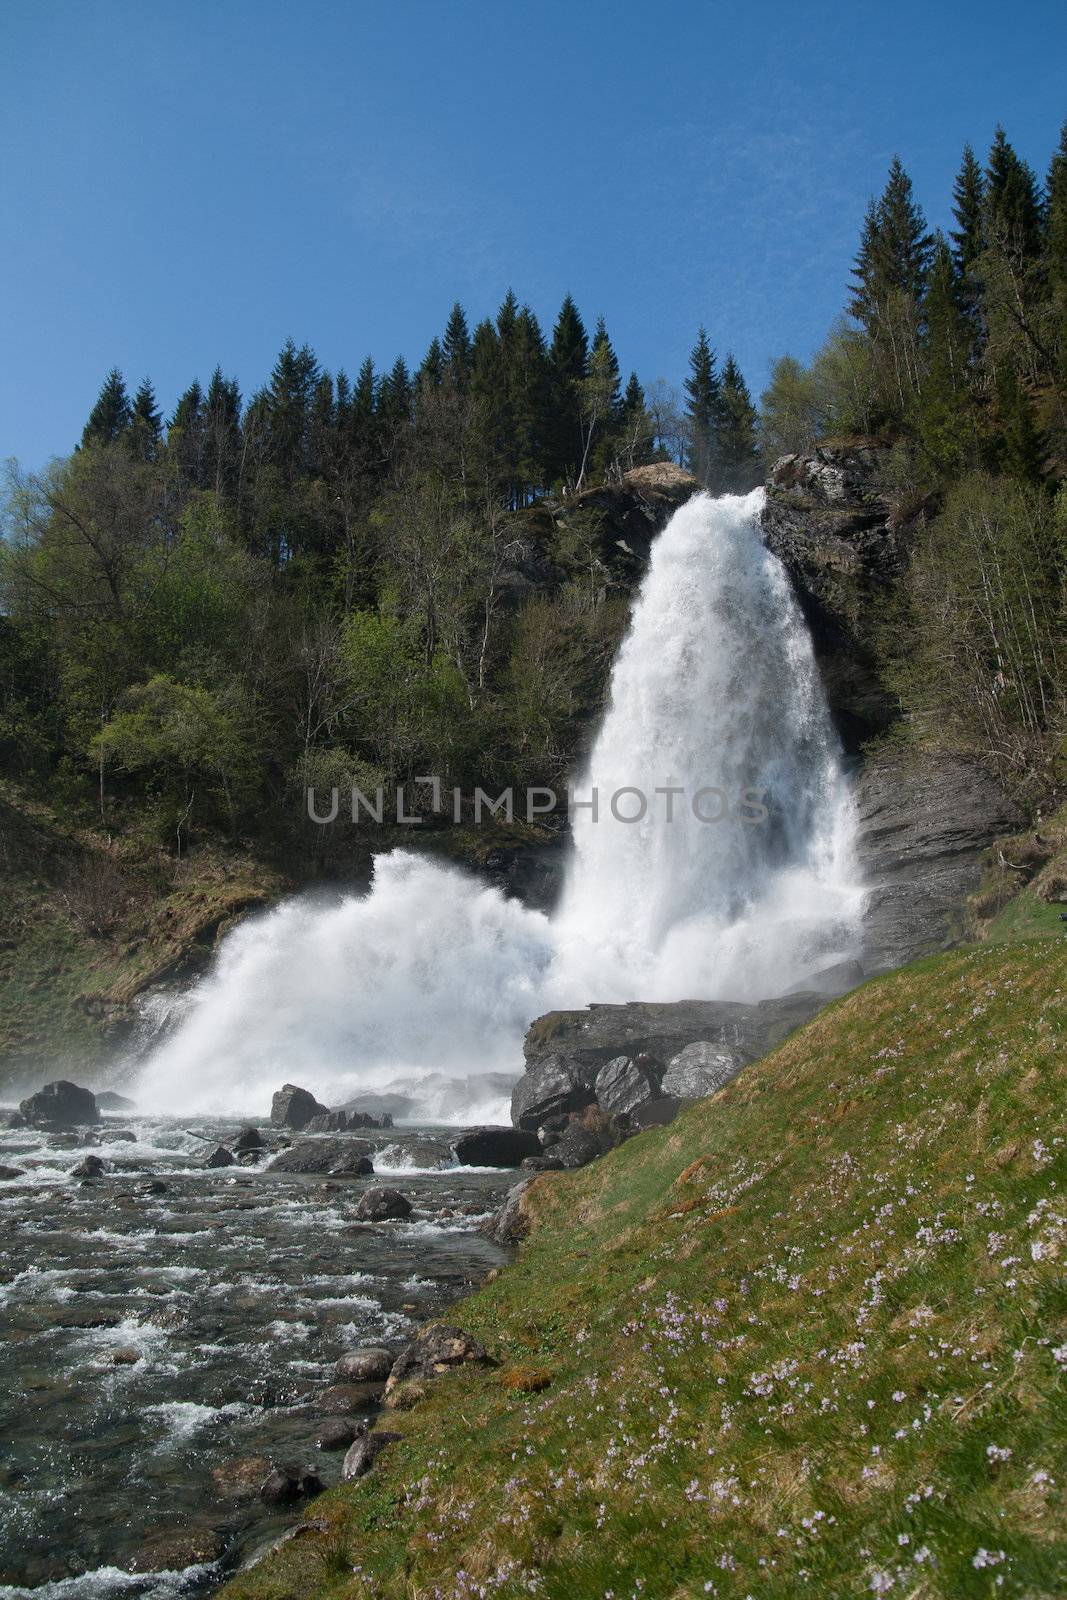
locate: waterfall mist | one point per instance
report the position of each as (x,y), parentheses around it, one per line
(425,984)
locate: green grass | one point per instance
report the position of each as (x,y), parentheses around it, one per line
(801,1342)
(1027,917)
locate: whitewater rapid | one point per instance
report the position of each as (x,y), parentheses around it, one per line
(425,984)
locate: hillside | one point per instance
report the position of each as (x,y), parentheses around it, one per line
(806,1340)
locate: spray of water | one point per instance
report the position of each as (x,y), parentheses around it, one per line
(425,984)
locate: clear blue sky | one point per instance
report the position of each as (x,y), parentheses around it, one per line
(190,184)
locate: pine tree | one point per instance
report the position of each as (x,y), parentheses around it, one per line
(968,208)
(636,443)
(738,445)
(894,253)
(185,435)
(110,416)
(293,380)
(568,366)
(322,456)
(1056,256)
(394,402)
(703,410)
(222,434)
(457,346)
(945,411)
(146,424)
(1022,450)
(432,370)
(1013,202)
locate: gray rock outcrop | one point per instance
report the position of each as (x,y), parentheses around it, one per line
(60,1105)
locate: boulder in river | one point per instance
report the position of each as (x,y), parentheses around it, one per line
(249,1139)
(241,1478)
(60,1105)
(7,1173)
(371,1363)
(331,1122)
(337,1433)
(437,1348)
(293,1107)
(91,1167)
(382,1205)
(108,1100)
(348,1399)
(339,1157)
(494,1147)
(221,1157)
(288,1483)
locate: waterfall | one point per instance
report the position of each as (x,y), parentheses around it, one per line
(425,984)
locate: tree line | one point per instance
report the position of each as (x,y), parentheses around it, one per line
(201,616)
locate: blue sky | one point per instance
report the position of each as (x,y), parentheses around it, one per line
(192,184)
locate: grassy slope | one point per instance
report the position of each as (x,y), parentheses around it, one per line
(800,1342)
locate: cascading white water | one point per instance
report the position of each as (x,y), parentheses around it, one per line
(426,983)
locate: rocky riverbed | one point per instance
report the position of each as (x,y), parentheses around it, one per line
(169,1333)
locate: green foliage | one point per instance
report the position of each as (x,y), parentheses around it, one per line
(979,656)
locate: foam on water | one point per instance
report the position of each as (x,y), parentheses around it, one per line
(426,984)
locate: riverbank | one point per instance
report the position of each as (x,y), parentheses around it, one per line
(808,1338)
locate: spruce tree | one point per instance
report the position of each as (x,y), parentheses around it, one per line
(1056,257)
(945,412)
(432,370)
(222,434)
(293,380)
(110,416)
(1013,202)
(968,208)
(739,449)
(894,253)
(703,410)
(1022,449)
(457,346)
(568,366)
(146,424)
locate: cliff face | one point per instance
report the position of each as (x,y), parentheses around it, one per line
(832,518)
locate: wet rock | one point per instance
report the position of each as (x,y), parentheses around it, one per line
(655,1113)
(60,1105)
(511,1223)
(383,1205)
(174,1549)
(924,819)
(346,1399)
(698,1070)
(624,1082)
(363,1452)
(339,1157)
(286,1483)
(91,1167)
(249,1139)
(153,1186)
(108,1100)
(337,1433)
(7,1173)
(220,1157)
(437,1348)
(12,1119)
(293,1107)
(127,1356)
(834,980)
(241,1478)
(332,1122)
(494,1147)
(371,1363)
(117,1136)
(250,1158)
(550,1086)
